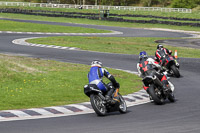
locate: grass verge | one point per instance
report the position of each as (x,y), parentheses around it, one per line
(29,82)
(122,45)
(194,14)
(6,25)
(97,22)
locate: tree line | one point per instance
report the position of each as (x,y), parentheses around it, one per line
(145,3)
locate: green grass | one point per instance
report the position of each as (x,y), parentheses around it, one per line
(29,82)
(32,27)
(141,18)
(97,22)
(122,45)
(194,14)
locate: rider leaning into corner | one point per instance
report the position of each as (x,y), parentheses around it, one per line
(160,52)
(148,66)
(95,77)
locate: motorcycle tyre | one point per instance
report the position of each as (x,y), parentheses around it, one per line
(153,95)
(122,101)
(175,71)
(171,97)
(93,100)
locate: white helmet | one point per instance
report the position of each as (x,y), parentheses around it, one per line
(160,46)
(96,63)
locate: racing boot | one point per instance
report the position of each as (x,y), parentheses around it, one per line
(116,96)
(147,90)
(165,85)
(166,88)
(108,96)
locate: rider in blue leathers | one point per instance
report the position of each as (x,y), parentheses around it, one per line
(95,77)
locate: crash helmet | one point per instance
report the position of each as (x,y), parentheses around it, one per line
(96,63)
(143,54)
(160,46)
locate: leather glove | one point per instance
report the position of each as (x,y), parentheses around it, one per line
(116,85)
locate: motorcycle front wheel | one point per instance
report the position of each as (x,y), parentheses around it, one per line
(171,97)
(156,95)
(122,105)
(175,71)
(98,105)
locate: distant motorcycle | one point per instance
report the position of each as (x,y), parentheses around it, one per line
(99,103)
(156,91)
(171,65)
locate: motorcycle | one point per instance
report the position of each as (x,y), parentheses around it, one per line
(171,65)
(156,91)
(99,103)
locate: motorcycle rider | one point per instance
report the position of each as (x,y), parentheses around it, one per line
(148,66)
(160,52)
(95,77)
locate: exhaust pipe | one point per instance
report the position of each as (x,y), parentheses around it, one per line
(157,81)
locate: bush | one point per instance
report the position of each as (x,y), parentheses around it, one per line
(185,3)
(196,9)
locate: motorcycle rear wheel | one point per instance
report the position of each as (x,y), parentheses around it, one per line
(175,71)
(122,105)
(154,95)
(97,105)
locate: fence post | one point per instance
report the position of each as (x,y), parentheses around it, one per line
(183,10)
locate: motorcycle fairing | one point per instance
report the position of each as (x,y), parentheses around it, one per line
(91,88)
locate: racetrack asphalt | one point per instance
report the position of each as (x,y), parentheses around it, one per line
(183,116)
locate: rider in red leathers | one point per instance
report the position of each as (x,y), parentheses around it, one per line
(147,66)
(160,53)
